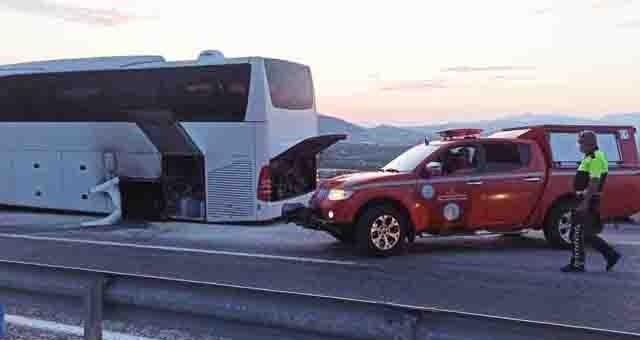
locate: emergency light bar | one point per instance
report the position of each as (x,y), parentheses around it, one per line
(459,133)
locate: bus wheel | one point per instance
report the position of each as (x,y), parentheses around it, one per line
(557,228)
(382,231)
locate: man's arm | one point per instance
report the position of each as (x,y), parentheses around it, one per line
(592,189)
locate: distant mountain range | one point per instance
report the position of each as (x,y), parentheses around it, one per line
(382,134)
(409,135)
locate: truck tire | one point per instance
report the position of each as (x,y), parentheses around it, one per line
(557,227)
(382,231)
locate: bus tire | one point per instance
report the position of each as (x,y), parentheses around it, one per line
(382,231)
(557,227)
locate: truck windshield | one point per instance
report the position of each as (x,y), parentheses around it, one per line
(410,159)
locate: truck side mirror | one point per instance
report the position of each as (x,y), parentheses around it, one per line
(433,169)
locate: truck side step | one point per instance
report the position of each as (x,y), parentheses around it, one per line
(473,233)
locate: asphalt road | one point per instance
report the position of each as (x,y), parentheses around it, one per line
(513,277)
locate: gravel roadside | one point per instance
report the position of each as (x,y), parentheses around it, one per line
(15,332)
(22,333)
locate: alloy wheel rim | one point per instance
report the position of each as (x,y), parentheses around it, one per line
(564,227)
(385,232)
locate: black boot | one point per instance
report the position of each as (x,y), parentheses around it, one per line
(613,260)
(570,268)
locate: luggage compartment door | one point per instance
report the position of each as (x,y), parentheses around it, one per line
(293,172)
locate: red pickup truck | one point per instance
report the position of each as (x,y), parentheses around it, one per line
(514,180)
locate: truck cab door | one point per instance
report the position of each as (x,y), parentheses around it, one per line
(514,178)
(450,197)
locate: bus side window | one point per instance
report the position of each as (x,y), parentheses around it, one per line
(221,94)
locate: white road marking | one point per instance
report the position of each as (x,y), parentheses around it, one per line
(65,329)
(189,250)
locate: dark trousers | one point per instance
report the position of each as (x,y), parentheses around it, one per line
(585,229)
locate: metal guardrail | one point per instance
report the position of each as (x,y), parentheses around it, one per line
(316,316)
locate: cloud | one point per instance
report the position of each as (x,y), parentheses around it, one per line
(511,78)
(468,69)
(593,5)
(412,85)
(605,4)
(542,11)
(92,16)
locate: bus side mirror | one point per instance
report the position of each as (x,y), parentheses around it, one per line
(433,169)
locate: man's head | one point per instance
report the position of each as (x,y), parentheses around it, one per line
(587,141)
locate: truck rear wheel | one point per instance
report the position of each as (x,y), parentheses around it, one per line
(557,228)
(382,231)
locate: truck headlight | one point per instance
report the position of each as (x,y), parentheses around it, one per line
(339,194)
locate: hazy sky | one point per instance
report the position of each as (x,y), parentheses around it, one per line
(373,61)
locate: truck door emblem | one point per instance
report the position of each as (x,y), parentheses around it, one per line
(428,191)
(451,212)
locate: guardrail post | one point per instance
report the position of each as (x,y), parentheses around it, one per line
(1,322)
(93,303)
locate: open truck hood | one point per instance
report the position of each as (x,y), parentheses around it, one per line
(310,147)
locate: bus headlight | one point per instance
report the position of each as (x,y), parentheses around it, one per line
(339,194)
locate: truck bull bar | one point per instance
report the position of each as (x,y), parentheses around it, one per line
(299,214)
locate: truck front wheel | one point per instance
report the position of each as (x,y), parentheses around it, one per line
(557,228)
(382,231)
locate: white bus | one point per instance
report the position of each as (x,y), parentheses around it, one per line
(213,139)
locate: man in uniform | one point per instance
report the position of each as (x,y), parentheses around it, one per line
(588,183)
